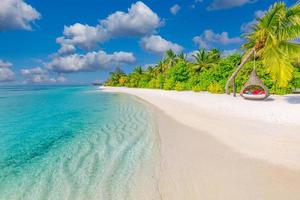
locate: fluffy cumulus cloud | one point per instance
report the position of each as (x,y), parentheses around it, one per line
(209,37)
(6,74)
(41,75)
(140,20)
(247,27)
(158,45)
(225,4)
(91,61)
(66,49)
(81,35)
(16,14)
(175,9)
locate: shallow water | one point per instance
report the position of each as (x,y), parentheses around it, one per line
(75,143)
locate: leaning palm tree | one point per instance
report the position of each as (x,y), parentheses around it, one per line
(273,42)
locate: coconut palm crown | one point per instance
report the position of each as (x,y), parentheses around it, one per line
(273,39)
(206,59)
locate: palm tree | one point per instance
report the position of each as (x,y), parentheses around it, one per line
(206,59)
(181,57)
(160,68)
(150,71)
(170,58)
(215,54)
(137,70)
(272,40)
(200,58)
(116,75)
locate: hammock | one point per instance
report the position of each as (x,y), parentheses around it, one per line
(254,89)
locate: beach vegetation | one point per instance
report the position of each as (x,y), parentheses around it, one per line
(183,76)
(273,41)
(272,45)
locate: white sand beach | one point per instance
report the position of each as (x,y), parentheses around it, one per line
(220,147)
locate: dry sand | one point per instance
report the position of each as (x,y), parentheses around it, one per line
(212,148)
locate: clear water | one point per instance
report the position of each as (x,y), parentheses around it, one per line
(75,143)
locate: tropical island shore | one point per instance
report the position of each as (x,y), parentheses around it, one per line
(220,147)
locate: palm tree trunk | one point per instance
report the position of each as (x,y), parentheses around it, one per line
(235,73)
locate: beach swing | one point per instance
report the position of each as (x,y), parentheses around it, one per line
(254,89)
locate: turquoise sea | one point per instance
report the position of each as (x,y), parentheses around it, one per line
(75,143)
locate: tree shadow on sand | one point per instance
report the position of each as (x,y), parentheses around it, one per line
(293,99)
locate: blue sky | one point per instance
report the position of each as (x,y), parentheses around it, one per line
(76,41)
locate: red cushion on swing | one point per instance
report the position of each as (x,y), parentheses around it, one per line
(256,92)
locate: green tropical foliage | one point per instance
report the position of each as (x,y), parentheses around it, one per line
(206,59)
(181,75)
(273,41)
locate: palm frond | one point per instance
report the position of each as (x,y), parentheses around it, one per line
(290,48)
(293,14)
(279,66)
(289,33)
(270,18)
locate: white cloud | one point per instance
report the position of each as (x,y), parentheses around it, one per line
(226,53)
(91,61)
(158,45)
(16,14)
(41,75)
(36,70)
(66,49)
(201,41)
(174,9)
(140,20)
(247,27)
(225,4)
(5,64)
(81,35)
(209,38)
(61,79)
(190,56)
(6,74)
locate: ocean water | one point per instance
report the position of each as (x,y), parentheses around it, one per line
(75,143)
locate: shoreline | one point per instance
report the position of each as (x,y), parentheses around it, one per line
(259,160)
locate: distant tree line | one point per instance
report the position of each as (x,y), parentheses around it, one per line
(208,71)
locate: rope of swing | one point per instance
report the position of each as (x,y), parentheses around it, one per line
(254,57)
